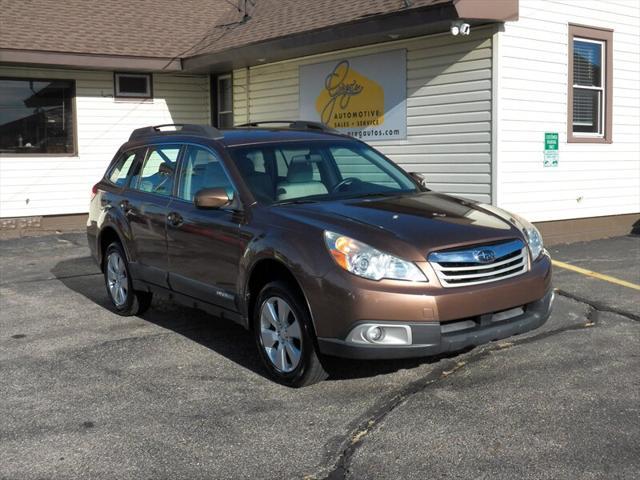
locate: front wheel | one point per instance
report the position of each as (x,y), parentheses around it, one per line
(283,334)
(124,298)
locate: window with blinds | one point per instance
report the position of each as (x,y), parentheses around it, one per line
(588,91)
(589,109)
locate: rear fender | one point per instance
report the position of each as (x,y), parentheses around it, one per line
(113,220)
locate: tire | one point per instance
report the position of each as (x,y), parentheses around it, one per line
(117,278)
(291,358)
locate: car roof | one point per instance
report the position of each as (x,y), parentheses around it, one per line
(251,135)
(232,137)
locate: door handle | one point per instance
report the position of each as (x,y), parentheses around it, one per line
(175,219)
(126,207)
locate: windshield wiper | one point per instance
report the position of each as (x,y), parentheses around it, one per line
(294,202)
(372,194)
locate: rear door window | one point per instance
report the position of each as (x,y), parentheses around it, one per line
(158,171)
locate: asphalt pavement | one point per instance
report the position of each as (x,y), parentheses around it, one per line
(176,393)
(617,257)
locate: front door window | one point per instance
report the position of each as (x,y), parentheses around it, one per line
(201,169)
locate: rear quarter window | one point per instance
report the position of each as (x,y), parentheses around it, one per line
(120,171)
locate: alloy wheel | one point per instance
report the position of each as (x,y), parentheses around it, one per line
(117,280)
(281,334)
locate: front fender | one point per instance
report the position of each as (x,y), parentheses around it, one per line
(303,254)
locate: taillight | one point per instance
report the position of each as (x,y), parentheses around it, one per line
(94,191)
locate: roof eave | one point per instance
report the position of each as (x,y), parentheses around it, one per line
(370,30)
(89,61)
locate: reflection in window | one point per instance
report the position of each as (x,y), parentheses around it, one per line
(156,175)
(201,169)
(36,116)
(132,85)
(588,91)
(119,173)
(123,167)
(225,101)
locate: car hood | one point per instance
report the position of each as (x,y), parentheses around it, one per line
(410,225)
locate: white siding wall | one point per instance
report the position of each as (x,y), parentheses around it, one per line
(44,185)
(591,179)
(448,107)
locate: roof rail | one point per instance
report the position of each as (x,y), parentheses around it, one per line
(187,128)
(293,124)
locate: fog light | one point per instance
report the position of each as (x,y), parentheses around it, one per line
(380,335)
(375,334)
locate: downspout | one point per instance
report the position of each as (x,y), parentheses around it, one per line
(495,113)
(246,94)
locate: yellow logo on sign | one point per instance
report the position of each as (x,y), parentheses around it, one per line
(350,100)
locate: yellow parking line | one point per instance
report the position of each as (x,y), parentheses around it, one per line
(597,275)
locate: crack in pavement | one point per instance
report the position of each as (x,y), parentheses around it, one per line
(363,425)
(601,307)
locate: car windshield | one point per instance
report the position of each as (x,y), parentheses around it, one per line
(294,172)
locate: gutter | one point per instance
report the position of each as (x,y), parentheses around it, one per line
(373,29)
(89,61)
(364,31)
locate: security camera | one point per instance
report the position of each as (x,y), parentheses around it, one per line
(460,28)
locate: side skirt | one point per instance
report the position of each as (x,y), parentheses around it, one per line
(188,301)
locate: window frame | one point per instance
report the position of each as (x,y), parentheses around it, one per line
(215,93)
(605,38)
(138,168)
(329,171)
(132,167)
(181,166)
(117,94)
(74,119)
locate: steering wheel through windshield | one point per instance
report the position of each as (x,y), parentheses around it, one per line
(346,182)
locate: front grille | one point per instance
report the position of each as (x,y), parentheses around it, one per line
(480,264)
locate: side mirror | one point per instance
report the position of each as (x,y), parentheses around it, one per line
(211,198)
(419,179)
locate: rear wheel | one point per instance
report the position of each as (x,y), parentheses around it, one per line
(285,339)
(124,298)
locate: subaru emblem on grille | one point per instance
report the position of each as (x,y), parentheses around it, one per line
(484,256)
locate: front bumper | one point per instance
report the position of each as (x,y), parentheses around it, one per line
(432,338)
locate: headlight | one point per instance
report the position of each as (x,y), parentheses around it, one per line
(365,261)
(531,233)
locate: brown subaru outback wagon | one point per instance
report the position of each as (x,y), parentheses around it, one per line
(315,242)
